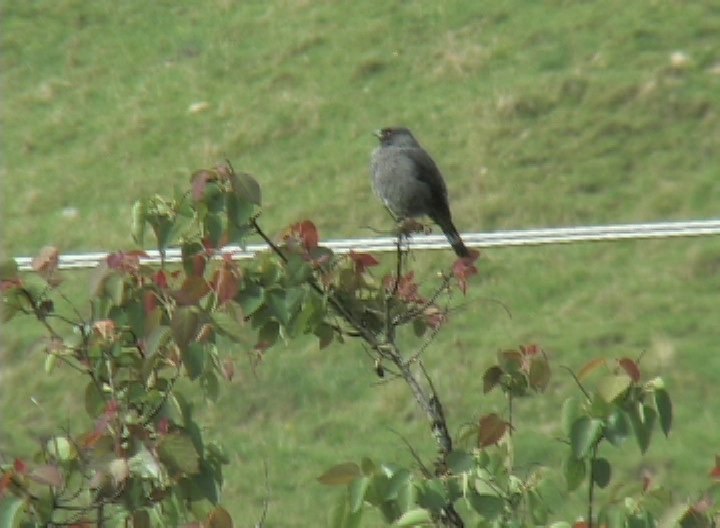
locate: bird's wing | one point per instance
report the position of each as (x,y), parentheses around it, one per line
(428,173)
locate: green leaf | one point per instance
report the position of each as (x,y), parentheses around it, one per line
(8,269)
(94,400)
(268,334)
(156,338)
(664,408)
(489,506)
(239,211)
(584,433)
(340,474)
(612,387)
(141,519)
(228,324)
(617,427)
(432,495)
(137,228)
(357,493)
(214,228)
(11,512)
(539,375)
(571,412)
(574,471)
(246,187)
(114,288)
(400,480)
(294,298)
(60,449)
(178,453)
(601,471)
(419,327)
(185,326)
(180,226)
(276,300)
(250,298)
(538,507)
(297,270)
(210,386)
(143,464)
(367,466)
(218,518)
(417,517)
(460,461)
(643,419)
(491,378)
(510,361)
(613,517)
(325,333)
(50,361)
(194,357)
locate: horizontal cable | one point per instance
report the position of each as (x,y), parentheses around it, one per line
(524,237)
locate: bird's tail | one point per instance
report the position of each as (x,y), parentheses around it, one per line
(454,238)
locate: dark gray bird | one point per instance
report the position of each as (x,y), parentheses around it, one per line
(409,183)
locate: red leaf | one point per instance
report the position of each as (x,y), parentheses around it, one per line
(304,233)
(309,235)
(163,426)
(434,317)
(631,367)
(407,288)
(192,290)
(46,262)
(715,472)
(160,279)
(125,261)
(197,264)
(228,369)
(529,350)
(20,466)
(199,181)
(491,429)
(106,328)
(112,408)
(226,282)
(5,482)
(49,475)
(464,268)
(362,261)
(590,367)
(647,482)
(150,301)
(10,284)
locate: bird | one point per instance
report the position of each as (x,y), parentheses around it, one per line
(409,183)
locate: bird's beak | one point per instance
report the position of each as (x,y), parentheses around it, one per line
(378,133)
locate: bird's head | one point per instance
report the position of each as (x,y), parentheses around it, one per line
(396,137)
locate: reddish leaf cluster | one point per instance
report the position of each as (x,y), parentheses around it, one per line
(125,261)
(226,281)
(362,261)
(303,233)
(406,288)
(715,472)
(464,268)
(519,370)
(46,264)
(491,429)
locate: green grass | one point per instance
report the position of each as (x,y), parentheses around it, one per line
(540,114)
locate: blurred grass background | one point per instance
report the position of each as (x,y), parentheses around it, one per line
(539,113)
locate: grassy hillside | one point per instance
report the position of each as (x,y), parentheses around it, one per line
(540,114)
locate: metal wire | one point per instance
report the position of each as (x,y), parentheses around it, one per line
(524,237)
